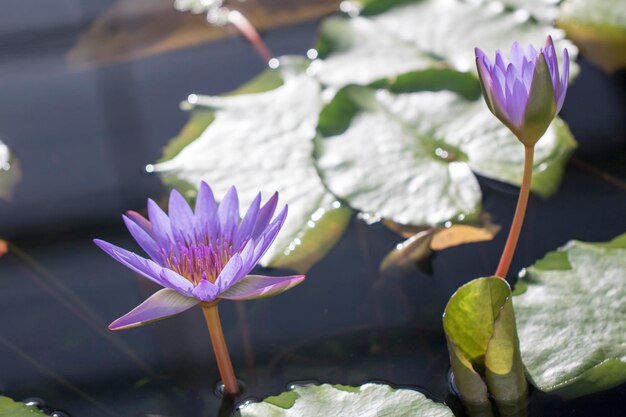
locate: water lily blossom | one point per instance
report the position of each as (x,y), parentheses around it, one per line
(526,91)
(202,256)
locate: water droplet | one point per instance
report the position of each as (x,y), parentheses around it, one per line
(34,402)
(369,218)
(318,214)
(441,153)
(304,383)
(59,413)
(312,53)
(349,8)
(192,99)
(273,63)
(220,389)
(336,204)
(461,217)
(447,224)
(149,169)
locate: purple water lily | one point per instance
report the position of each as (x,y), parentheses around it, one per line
(525,93)
(202,256)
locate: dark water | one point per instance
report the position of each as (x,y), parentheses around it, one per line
(82,137)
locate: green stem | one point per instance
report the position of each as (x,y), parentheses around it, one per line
(520,211)
(222,357)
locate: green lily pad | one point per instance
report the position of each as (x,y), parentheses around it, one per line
(571,318)
(263,142)
(598,28)
(10,408)
(420,34)
(10,173)
(482,342)
(325,400)
(409,157)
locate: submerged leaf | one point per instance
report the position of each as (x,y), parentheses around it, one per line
(482,341)
(263,141)
(10,408)
(459,234)
(369,400)
(406,254)
(598,28)
(572,318)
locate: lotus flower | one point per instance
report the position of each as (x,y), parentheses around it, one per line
(200,257)
(525,93)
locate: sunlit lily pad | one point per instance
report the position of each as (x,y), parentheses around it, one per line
(598,28)
(369,400)
(420,34)
(571,317)
(411,157)
(263,142)
(10,408)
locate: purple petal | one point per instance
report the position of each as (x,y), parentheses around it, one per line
(499,86)
(528,69)
(205,291)
(181,218)
(247,224)
(145,267)
(516,103)
(517,55)
(247,257)
(162,304)
(501,61)
(177,282)
(270,234)
(259,286)
(265,215)
(206,223)
(482,64)
(228,212)
(564,80)
(144,240)
(230,274)
(531,53)
(140,221)
(160,226)
(511,76)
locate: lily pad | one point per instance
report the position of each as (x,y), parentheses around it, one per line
(420,34)
(369,400)
(263,142)
(598,28)
(571,317)
(10,408)
(482,342)
(409,157)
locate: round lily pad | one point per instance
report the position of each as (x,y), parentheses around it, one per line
(369,400)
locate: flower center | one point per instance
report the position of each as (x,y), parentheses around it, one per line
(201,260)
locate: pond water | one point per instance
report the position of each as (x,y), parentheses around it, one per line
(82,136)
